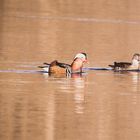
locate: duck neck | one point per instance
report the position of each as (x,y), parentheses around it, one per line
(77,65)
(135,62)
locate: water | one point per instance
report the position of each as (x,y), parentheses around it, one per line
(99,105)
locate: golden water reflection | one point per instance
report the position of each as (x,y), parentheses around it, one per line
(38,107)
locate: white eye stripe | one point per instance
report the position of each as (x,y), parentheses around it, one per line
(80,55)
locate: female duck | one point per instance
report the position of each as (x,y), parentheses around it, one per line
(56,67)
(134,65)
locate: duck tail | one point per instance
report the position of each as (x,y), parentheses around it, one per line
(46,63)
(112,66)
(41,66)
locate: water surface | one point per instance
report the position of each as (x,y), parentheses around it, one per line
(99,105)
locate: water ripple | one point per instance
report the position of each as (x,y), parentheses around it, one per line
(78,19)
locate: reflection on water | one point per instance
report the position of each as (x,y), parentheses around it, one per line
(99,103)
(79,95)
(136,89)
(24,115)
(135,77)
(76,86)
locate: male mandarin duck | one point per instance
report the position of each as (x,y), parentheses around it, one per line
(134,65)
(56,67)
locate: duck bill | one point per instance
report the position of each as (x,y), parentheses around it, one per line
(86,61)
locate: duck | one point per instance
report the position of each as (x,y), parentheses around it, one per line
(128,66)
(56,67)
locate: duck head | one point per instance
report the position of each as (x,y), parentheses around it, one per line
(78,62)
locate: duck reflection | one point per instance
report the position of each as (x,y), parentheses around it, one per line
(79,96)
(134,80)
(72,85)
(73,75)
(135,77)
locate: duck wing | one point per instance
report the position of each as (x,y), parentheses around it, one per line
(56,63)
(63,65)
(120,64)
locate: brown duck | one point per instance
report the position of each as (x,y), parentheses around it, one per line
(56,67)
